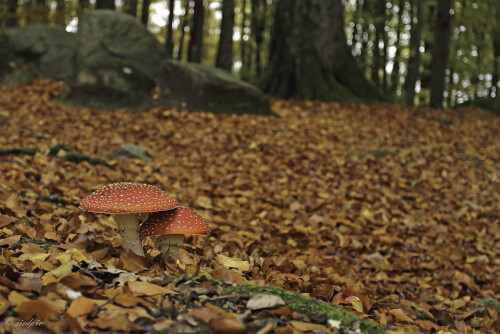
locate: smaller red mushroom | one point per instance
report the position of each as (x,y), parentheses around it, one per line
(171,226)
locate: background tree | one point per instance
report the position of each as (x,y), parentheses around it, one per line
(145,12)
(417,14)
(196,32)
(11,20)
(225,49)
(130,7)
(184,26)
(309,57)
(440,52)
(105,4)
(169,40)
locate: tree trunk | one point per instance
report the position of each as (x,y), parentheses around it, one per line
(309,57)
(105,4)
(395,67)
(440,52)
(83,5)
(11,13)
(242,40)
(60,18)
(496,58)
(258,26)
(196,33)
(132,7)
(185,20)
(41,13)
(145,12)
(415,55)
(169,40)
(225,50)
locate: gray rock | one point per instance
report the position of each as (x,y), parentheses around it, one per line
(129,151)
(108,35)
(36,51)
(258,302)
(199,87)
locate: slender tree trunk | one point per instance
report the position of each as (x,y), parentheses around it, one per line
(83,6)
(415,55)
(258,26)
(169,40)
(41,13)
(225,50)
(242,39)
(355,20)
(440,52)
(313,63)
(378,50)
(60,18)
(105,4)
(395,67)
(145,12)
(132,7)
(450,88)
(196,33)
(495,80)
(185,21)
(364,38)
(11,13)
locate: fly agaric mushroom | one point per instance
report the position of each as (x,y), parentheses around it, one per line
(127,200)
(171,226)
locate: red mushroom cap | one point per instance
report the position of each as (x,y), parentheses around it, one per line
(178,221)
(128,197)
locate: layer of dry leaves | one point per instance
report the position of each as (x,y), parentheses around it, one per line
(390,212)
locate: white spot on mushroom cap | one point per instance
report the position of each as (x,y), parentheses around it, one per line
(128,197)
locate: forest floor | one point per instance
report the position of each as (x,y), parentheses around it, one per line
(386,211)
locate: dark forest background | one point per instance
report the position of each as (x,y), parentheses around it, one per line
(437,52)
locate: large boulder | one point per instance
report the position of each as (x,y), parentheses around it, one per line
(36,51)
(203,88)
(108,35)
(117,61)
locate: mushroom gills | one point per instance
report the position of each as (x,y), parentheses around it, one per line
(129,232)
(170,243)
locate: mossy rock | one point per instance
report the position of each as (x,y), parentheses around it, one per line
(109,84)
(488,103)
(203,88)
(313,307)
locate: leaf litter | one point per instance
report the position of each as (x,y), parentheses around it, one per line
(386,211)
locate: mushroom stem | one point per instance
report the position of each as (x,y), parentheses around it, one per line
(170,243)
(129,232)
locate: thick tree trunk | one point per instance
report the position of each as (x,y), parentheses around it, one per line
(196,33)
(225,50)
(105,4)
(185,20)
(415,55)
(11,13)
(145,12)
(440,52)
(309,57)
(169,40)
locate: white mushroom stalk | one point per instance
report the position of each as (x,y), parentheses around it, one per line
(169,245)
(129,232)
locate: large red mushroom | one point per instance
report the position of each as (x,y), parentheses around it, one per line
(127,201)
(171,226)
